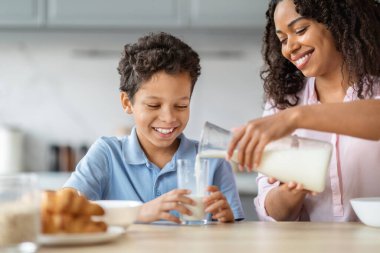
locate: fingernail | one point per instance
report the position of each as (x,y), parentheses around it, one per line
(241,168)
(255,165)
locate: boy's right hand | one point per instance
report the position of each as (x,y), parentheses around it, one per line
(159,208)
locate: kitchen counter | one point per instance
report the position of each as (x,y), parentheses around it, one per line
(240,237)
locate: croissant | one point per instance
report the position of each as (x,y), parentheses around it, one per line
(66,211)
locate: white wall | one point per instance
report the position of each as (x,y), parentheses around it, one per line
(56,96)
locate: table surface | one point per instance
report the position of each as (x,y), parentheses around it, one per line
(280,237)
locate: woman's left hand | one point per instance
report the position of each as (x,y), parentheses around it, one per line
(217,204)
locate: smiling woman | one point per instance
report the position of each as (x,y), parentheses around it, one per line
(319,54)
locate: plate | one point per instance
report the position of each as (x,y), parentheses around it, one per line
(81,239)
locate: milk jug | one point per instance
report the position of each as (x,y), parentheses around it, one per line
(291,158)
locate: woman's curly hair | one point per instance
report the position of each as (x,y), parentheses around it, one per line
(355,27)
(153,53)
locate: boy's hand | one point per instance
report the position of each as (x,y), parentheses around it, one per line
(159,208)
(217,204)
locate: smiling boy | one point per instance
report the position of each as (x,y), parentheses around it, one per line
(158,74)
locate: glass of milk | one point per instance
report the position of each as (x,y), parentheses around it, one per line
(194,176)
(19,213)
(291,158)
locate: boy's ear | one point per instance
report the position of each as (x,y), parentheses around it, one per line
(126,102)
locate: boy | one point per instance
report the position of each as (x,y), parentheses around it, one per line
(158,74)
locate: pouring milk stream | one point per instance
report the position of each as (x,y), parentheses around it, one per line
(288,159)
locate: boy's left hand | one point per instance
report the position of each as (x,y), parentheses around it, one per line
(217,204)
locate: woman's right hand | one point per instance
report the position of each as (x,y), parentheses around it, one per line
(252,138)
(159,208)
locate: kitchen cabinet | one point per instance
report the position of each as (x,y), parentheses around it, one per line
(227,14)
(157,13)
(114,13)
(75,14)
(25,13)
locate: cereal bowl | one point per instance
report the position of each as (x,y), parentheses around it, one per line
(119,212)
(368,210)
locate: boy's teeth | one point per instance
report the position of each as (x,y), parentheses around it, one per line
(302,59)
(164,131)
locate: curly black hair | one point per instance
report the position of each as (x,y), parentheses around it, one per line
(153,53)
(355,27)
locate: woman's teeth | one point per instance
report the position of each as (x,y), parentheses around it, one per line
(164,130)
(302,60)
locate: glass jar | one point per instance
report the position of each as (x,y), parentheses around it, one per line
(19,213)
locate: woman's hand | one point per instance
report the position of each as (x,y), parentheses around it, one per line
(292,187)
(217,204)
(160,207)
(252,138)
(283,203)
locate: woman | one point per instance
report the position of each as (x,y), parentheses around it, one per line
(319,54)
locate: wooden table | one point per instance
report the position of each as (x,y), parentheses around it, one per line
(240,237)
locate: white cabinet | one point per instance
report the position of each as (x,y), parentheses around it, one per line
(157,13)
(228,13)
(133,13)
(21,13)
(114,13)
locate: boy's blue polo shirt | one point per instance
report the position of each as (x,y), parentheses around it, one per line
(117,168)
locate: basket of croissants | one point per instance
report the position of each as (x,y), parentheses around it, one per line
(66,211)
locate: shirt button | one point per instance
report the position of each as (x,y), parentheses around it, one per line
(158,193)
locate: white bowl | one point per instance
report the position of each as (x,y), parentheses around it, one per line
(368,210)
(119,212)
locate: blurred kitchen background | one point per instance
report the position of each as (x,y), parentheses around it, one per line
(59,83)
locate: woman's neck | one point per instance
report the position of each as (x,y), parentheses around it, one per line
(332,88)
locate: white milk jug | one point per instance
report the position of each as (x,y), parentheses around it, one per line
(288,159)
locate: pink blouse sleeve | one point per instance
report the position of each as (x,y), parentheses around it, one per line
(263,188)
(262,181)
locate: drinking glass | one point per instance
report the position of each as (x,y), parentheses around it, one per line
(19,213)
(214,141)
(194,176)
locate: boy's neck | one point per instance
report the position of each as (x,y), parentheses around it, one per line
(161,156)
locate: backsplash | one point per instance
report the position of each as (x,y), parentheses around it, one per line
(62,88)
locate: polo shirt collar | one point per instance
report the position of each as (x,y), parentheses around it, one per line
(134,154)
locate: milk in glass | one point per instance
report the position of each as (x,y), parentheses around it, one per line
(195,178)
